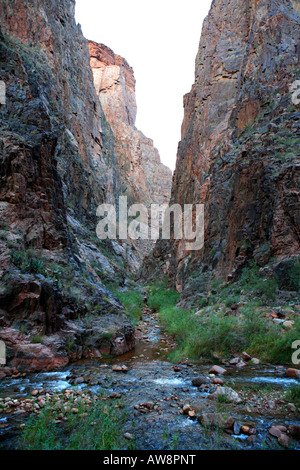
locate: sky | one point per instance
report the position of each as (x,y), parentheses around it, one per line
(159,39)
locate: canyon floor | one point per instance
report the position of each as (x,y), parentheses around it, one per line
(166,406)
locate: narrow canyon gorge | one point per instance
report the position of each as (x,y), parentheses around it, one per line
(185,337)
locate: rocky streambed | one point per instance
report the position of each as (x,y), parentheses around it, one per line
(187,406)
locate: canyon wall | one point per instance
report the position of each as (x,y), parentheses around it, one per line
(145,179)
(239,151)
(59,161)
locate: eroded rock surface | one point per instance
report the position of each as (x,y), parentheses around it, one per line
(239,152)
(58,163)
(146,179)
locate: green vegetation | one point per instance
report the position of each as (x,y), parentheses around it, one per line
(223,399)
(36,339)
(161,297)
(27,262)
(133,301)
(293,395)
(98,427)
(212,329)
(255,283)
(294,274)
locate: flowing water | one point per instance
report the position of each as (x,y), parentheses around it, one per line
(150,378)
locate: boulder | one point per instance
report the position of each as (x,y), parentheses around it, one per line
(246,356)
(275,431)
(284,441)
(216,420)
(217,370)
(293,373)
(231,395)
(201,380)
(294,431)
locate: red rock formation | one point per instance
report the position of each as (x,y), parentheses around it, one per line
(57,163)
(239,153)
(145,178)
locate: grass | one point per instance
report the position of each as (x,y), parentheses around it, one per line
(293,395)
(36,339)
(212,332)
(133,301)
(160,297)
(255,283)
(98,427)
(223,399)
(201,333)
(27,262)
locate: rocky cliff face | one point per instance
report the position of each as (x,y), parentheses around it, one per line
(239,153)
(59,161)
(144,178)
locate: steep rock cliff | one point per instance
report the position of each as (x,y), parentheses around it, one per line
(239,152)
(57,164)
(145,179)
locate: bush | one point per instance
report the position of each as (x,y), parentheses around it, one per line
(295,275)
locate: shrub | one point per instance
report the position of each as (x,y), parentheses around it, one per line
(294,274)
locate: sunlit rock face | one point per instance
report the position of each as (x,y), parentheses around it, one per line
(145,179)
(239,151)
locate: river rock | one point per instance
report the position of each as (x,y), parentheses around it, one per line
(255,361)
(217,370)
(246,356)
(245,430)
(291,407)
(288,325)
(216,420)
(217,381)
(241,364)
(79,380)
(294,431)
(201,380)
(293,373)
(234,361)
(284,440)
(119,368)
(231,395)
(187,408)
(275,431)
(237,428)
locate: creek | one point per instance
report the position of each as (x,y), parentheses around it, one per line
(154,392)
